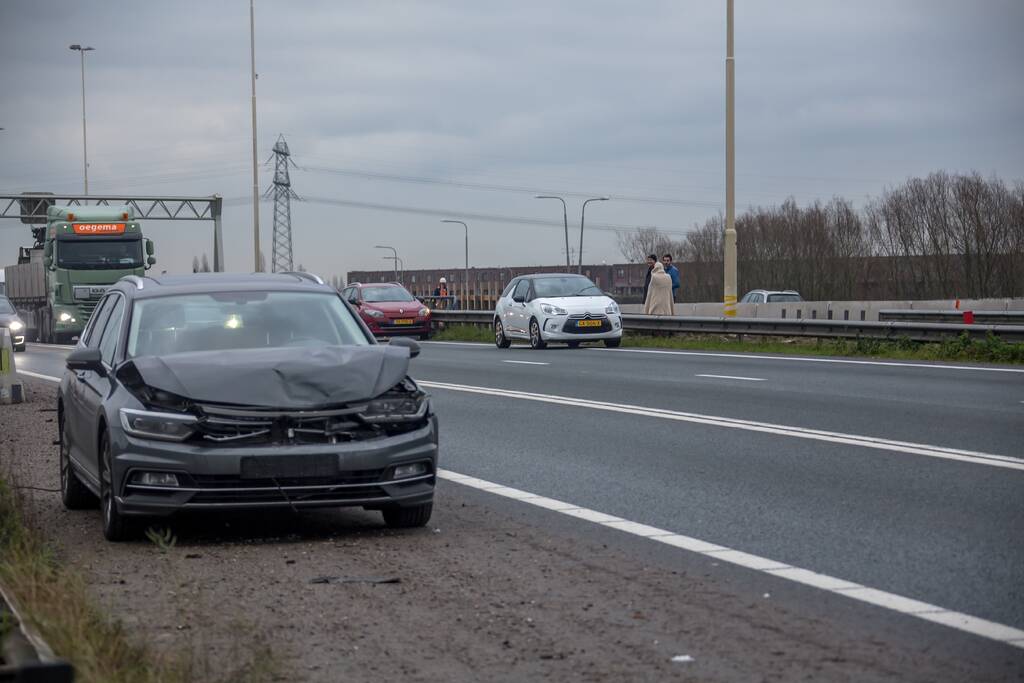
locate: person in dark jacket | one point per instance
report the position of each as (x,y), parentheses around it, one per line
(672,272)
(651,260)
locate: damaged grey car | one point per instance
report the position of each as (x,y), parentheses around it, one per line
(215,392)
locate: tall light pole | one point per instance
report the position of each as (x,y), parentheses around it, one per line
(729,298)
(583,213)
(465,278)
(85,148)
(401,267)
(255,171)
(565,220)
(394,257)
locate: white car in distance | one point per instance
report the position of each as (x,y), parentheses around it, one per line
(556,307)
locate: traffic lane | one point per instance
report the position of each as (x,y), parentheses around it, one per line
(946,533)
(43,360)
(490,586)
(959,409)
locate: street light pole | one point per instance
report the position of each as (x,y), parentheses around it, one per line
(255,171)
(394,256)
(465,278)
(85,147)
(565,220)
(583,213)
(401,268)
(729,294)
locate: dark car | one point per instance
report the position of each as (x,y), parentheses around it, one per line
(388,309)
(215,392)
(9,319)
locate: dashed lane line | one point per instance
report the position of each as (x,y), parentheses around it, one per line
(745,379)
(524,362)
(975,457)
(850,589)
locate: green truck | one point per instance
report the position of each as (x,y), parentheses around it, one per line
(58,281)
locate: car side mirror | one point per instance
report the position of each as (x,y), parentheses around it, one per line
(86,359)
(406,343)
(519,299)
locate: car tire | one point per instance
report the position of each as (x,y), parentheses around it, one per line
(500,340)
(536,339)
(116,526)
(573,344)
(613,343)
(397,517)
(19,349)
(73,493)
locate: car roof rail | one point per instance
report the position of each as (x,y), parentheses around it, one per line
(135,280)
(305,276)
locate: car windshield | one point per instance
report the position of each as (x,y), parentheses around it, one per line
(565,285)
(386,293)
(240,320)
(5,307)
(100,254)
(783,298)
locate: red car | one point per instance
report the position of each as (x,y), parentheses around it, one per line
(388,309)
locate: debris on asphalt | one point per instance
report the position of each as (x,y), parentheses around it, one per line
(679,659)
(356,579)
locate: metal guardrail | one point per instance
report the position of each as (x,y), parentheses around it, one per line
(833,329)
(953,316)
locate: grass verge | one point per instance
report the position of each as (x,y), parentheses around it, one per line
(989,350)
(55,600)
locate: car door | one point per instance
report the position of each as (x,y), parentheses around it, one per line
(75,416)
(517,314)
(95,387)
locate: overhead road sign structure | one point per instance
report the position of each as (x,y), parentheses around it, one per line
(31,207)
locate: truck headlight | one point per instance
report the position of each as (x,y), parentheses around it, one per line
(15,326)
(146,424)
(553,310)
(65,317)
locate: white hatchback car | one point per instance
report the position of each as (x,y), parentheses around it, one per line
(556,307)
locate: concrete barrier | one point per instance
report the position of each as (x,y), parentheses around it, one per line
(836,310)
(11,388)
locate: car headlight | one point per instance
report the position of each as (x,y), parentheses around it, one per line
(613,309)
(424,312)
(374,313)
(161,426)
(397,405)
(553,310)
(65,317)
(15,326)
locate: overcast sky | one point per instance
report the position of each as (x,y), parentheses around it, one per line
(416,104)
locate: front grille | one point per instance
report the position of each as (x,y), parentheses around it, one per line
(228,481)
(231,426)
(571,326)
(85,309)
(271,496)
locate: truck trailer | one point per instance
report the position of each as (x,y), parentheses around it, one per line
(58,281)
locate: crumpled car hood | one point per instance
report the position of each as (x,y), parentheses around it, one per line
(288,378)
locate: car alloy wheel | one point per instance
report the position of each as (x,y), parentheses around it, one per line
(73,493)
(613,343)
(536,341)
(500,340)
(116,526)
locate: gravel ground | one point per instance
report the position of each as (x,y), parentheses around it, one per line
(480,593)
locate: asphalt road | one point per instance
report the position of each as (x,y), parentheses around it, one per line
(938,529)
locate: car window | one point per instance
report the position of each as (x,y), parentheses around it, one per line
(521,289)
(509,287)
(758,299)
(91,338)
(112,331)
(240,320)
(5,306)
(784,298)
(386,293)
(565,285)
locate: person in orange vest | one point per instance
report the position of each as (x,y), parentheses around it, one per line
(441,291)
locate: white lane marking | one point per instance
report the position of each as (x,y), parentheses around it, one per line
(879,598)
(525,362)
(51,347)
(38,376)
(746,379)
(975,457)
(806,359)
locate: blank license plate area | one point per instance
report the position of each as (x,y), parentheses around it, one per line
(404,321)
(287,466)
(588,323)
